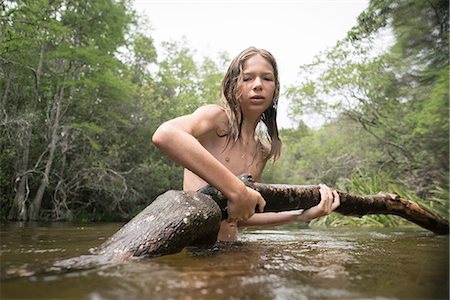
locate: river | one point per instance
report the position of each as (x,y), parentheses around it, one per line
(285,262)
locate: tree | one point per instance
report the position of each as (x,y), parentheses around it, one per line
(83,90)
(76,67)
(399,96)
(25,32)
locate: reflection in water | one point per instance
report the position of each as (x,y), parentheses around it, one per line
(282,263)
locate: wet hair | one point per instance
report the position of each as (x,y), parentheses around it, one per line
(231,92)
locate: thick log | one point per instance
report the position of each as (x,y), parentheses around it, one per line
(280,197)
(174,220)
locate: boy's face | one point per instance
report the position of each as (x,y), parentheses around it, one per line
(258,85)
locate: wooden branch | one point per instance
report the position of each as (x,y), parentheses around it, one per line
(287,197)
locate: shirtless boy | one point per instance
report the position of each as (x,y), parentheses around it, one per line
(216,143)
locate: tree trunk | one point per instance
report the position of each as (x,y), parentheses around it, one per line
(19,208)
(18,211)
(54,137)
(173,221)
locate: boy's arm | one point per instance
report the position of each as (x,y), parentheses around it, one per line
(177,138)
(272,218)
(329,201)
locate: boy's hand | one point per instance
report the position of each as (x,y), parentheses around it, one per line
(329,201)
(243,207)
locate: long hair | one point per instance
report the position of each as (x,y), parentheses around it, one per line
(231,93)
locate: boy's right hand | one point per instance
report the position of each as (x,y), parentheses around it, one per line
(243,206)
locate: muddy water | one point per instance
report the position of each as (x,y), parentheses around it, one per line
(289,262)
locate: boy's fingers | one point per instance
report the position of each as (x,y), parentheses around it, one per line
(337,199)
(261,205)
(330,194)
(326,193)
(336,196)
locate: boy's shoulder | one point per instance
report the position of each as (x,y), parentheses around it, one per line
(212,112)
(212,116)
(211,109)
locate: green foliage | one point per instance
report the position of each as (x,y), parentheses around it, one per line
(82,90)
(181,85)
(329,155)
(387,111)
(399,96)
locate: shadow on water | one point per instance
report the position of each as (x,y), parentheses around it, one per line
(286,262)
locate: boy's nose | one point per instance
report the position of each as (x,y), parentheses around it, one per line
(257,84)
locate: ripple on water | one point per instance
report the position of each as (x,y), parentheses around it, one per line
(37,251)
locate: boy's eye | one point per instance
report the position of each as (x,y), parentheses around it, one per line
(265,78)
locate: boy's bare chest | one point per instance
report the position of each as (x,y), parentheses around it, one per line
(238,158)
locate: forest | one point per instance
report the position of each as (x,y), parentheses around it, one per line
(83,88)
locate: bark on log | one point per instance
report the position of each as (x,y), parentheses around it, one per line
(175,219)
(281,197)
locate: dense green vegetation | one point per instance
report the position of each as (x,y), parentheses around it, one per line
(388,126)
(83,90)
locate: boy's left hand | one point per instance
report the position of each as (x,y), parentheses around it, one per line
(329,201)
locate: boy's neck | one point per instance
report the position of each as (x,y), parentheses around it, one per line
(248,131)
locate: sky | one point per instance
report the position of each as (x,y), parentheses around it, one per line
(293,31)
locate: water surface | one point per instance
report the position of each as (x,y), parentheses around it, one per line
(286,262)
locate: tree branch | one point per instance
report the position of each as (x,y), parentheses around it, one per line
(289,197)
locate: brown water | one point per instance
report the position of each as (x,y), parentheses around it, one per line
(289,262)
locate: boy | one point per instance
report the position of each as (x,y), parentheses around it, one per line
(216,143)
